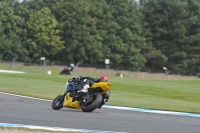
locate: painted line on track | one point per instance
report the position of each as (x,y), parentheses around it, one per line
(55,128)
(153,111)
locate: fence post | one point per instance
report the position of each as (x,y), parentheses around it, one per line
(13,63)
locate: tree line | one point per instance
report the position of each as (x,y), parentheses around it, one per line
(147,35)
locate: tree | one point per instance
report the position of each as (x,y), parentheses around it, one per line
(43,38)
(174,27)
(10,42)
(129,35)
(105,28)
(155,59)
(78,28)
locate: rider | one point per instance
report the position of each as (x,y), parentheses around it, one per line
(85,81)
(82,83)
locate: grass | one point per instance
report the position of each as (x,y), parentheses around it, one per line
(172,95)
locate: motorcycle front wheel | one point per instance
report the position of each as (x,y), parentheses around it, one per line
(92,103)
(58,102)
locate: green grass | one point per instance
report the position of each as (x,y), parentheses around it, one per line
(29,69)
(173,95)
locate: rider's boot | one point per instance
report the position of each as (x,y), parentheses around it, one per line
(102,103)
(85,88)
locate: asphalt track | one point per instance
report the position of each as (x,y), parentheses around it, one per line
(38,112)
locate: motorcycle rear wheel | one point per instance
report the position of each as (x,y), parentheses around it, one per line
(62,72)
(58,102)
(96,101)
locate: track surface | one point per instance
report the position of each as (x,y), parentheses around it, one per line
(20,110)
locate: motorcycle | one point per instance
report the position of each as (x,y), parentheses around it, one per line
(87,102)
(68,70)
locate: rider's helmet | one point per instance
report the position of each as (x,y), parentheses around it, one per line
(103,78)
(72,65)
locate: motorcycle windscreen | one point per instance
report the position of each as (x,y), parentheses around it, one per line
(101,87)
(69,104)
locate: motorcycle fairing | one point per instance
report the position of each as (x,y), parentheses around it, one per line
(102,87)
(68,103)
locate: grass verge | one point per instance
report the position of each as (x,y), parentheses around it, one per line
(173,95)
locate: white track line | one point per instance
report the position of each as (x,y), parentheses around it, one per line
(55,128)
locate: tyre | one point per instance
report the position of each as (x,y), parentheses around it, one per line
(92,103)
(58,102)
(62,72)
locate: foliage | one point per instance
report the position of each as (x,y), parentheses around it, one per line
(175,32)
(128,35)
(78,29)
(147,35)
(10,42)
(43,39)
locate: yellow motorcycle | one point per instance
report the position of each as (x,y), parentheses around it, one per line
(87,102)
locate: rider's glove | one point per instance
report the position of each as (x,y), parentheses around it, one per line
(78,78)
(74,79)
